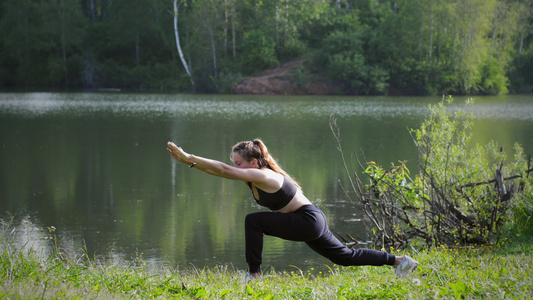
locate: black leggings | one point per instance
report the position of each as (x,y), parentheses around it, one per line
(308,224)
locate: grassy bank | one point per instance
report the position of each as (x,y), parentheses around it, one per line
(502,272)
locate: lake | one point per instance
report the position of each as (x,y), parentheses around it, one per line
(95,167)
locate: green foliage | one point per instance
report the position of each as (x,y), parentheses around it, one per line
(521,220)
(449,166)
(521,77)
(259,52)
(447,163)
(494,80)
(462,195)
(342,61)
(300,77)
(292,48)
(226,81)
(405,47)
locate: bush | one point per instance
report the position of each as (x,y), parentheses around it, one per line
(259,52)
(342,60)
(461,195)
(291,49)
(494,80)
(521,220)
(225,81)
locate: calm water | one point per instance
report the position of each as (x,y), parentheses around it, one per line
(94,166)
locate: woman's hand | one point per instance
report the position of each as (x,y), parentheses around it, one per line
(178,153)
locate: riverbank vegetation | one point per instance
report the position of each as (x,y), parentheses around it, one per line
(361,47)
(462,194)
(497,272)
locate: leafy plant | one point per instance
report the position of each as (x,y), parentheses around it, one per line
(300,77)
(494,79)
(259,51)
(342,60)
(461,194)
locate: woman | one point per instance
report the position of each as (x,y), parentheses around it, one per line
(293,216)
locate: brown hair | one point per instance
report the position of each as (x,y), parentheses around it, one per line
(256,149)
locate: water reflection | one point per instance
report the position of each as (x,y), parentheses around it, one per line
(95,166)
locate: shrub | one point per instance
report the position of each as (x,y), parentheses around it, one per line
(494,80)
(342,60)
(292,48)
(259,51)
(461,195)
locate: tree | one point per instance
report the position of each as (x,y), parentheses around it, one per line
(401,46)
(70,22)
(258,51)
(525,16)
(178,45)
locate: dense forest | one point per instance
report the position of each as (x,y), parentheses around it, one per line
(421,47)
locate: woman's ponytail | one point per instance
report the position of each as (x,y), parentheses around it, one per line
(256,149)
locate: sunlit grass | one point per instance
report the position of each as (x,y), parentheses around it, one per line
(502,272)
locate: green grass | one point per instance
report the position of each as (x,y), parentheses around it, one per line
(502,272)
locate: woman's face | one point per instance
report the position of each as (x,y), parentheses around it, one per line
(239,162)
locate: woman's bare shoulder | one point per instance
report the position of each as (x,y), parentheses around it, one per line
(267,180)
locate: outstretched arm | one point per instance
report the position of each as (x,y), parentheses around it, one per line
(178,154)
(214,167)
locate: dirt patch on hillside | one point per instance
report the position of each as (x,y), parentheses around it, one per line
(277,82)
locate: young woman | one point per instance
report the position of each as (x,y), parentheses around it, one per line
(292,217)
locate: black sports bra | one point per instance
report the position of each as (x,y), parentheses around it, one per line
(279,199)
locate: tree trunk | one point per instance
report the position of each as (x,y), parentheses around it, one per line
(493,40)
(277,26)
(521,45)
(207,22)
(455,34)
(233,28)
(523,34)
(439,29)
(27,48)
(213,47)
(176,33)
(137,50)
(430,45)
(63,40)
(225,30)
(286,21)
(92,9)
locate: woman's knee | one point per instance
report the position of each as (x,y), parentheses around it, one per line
(252,219)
